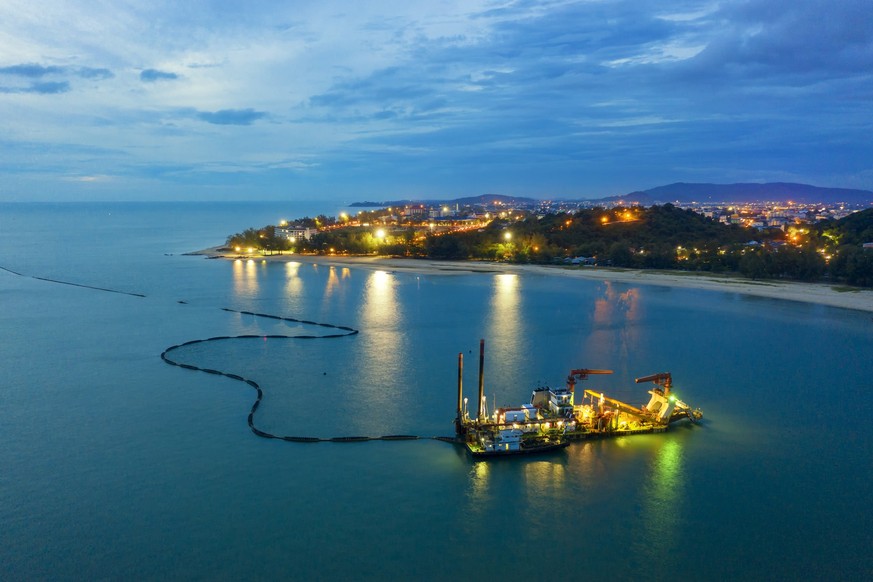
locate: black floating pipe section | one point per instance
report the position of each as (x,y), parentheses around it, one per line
(479,411)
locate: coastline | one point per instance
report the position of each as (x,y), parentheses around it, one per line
(817,293)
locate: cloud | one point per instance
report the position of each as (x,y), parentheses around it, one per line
(88,178)
(791,43)
(468,94)
(43,88)
(31,70)
(98,74)
(37,71)
(49,87)
(152,75)
(48,80)
(231,116)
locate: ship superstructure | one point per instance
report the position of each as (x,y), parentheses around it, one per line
(553,418)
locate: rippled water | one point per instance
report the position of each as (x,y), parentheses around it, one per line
(116,465)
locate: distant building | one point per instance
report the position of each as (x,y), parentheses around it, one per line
(293,232)
(414,212)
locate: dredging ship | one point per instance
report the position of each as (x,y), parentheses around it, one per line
(553,419)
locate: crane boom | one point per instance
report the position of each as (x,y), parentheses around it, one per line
(623,406)
(662,379)
(581,374)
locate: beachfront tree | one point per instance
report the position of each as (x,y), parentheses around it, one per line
(445,247)
(854,265)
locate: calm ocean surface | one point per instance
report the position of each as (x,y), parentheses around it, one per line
(114,465)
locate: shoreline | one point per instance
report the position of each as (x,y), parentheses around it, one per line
(818,293)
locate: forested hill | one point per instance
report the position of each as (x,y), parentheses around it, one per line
(655,237)
(855,229)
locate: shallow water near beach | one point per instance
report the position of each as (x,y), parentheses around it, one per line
(116,465)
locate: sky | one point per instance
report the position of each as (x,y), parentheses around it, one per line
(384,99)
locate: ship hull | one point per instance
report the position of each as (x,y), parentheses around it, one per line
(529,450)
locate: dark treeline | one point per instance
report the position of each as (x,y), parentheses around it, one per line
(666,237)
(659,237)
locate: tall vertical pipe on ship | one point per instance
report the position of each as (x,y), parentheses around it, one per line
(459,419)
(460,384)
(480,412)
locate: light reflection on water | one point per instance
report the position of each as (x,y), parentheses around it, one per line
(332,282)
(505,321)
(505,333)
(245,278)
(382,342)
(293,284)
(662,495)
(545,484)
(478,490)
(380,309)
(615,334)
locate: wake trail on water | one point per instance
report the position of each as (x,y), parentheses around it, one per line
(342,331)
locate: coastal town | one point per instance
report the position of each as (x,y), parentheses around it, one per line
(830,242)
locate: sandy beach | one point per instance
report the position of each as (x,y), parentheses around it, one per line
(819,293)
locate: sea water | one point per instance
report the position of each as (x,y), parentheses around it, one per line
(115,465)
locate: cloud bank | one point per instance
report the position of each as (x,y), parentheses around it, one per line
(394,99)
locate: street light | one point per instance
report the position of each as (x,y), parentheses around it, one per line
(507,235)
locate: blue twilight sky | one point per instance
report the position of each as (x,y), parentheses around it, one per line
(227,100)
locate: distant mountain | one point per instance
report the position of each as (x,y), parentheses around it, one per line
(471,200)
(753,192)
(679,192)
(493,198)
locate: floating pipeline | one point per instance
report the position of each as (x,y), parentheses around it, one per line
(343,331)
(70,283)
